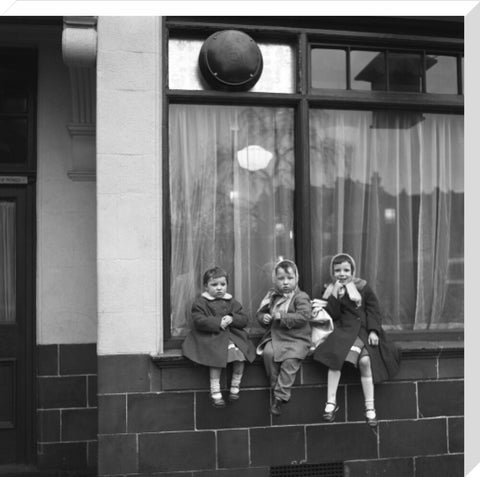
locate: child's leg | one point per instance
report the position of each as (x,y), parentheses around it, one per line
(237,374)
(215,382)
(271,367)
(333,380)
(367,385)
(286,378)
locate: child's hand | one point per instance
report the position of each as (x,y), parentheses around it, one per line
(277,316)
(373,338)
(267,318)
(338,285)
(226,320)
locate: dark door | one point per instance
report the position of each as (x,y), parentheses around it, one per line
(18,68)
(15,328)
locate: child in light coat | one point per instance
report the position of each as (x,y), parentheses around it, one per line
(285,312)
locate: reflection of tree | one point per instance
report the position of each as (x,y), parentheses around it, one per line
(387,250)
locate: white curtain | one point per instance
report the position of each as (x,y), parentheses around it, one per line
(7,262)
(239,218)
(387,187)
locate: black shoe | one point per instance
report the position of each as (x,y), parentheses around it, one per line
(329,416)
(371,421)
(217,402)
(275,409)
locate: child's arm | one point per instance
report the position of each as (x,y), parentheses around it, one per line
(240,318)
(263,316)
(203,320)
(301,315)
(373,315)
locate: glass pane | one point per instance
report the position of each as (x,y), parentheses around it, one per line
(329,68)
(13,98)
(368,70)
(278,74)
(442,74)
(405,72)
(231,200)
(7,263)
(387,187)
(13,141)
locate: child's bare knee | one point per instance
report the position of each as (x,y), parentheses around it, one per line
(364,364)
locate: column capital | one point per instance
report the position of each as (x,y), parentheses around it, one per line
(79,41)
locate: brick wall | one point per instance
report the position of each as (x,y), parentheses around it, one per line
(67,409)
(155,418)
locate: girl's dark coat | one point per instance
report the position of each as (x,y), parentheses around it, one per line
(291,335)
(350,322)
(207,342)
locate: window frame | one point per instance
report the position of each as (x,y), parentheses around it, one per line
(303,39)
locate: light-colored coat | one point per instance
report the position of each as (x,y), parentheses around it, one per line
(291,335)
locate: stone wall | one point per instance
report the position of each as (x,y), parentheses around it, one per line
(155,418)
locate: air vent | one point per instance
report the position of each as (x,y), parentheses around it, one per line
(329,469)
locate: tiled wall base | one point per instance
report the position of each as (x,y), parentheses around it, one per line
(67,411)
(155,418)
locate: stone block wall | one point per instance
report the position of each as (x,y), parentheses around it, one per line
(67,413)
(155,418)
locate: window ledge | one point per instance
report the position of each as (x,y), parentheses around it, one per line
(409,349)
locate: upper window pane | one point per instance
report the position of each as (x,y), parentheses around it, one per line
(405,72)
(442,74)
(278,74)
(367,70)
(329,68)
(231,200)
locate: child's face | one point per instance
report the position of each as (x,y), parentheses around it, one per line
(342,271)
(217,287)
(285,280)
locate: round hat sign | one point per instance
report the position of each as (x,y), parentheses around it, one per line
(230,60)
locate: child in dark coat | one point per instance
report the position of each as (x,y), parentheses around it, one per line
(285,312)
(357,337)
(218,336)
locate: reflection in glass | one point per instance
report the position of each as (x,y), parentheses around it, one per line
(371,78)
(13,141)
(442,76)
(405,72)
(229,205)
(7,263)
(390,192)
(13,98)
(329,68)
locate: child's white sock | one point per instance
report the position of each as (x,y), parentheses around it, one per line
(215,388)
(235,383)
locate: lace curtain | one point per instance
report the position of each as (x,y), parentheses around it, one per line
(387,187)
(231,200)
(7,262)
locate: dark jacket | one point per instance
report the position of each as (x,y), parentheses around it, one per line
(291,335)
(207,342)
(351,321)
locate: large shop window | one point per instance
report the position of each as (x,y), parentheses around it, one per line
(231,200)
(388,188)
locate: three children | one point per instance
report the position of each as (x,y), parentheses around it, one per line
(218,335)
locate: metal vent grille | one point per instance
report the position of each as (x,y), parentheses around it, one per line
(329,469)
